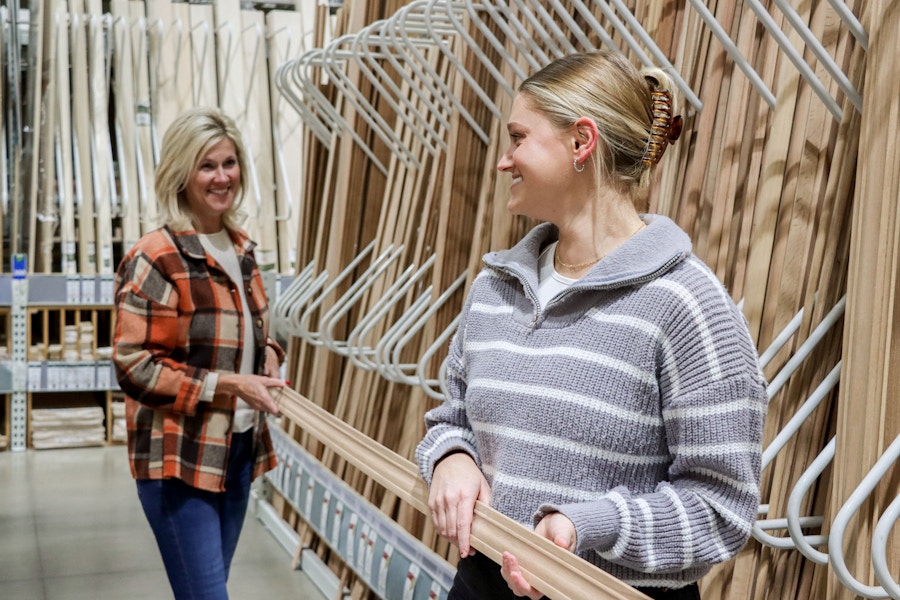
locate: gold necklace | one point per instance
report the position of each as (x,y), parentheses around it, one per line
(575,267)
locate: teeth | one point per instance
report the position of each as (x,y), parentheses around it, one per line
(516,180)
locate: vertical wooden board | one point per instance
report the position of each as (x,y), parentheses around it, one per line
(203,55)
(146,143)
(68,244)
(25,197)
(81,143)
(230,58)
(101,146)
(171,81)
(867,412)
(125,119)
(256,125)
(4,175)
(285,35)
(43,227)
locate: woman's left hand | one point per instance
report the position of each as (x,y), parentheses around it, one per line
(557,528)
(272,368)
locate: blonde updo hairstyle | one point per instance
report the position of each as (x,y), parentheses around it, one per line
(607,88)
(187,140)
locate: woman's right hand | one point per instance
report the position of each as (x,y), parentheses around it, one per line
(456,484)
(253,389)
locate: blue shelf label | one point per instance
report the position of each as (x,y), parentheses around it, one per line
(19,266)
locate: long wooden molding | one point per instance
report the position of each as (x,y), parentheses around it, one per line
(556,572)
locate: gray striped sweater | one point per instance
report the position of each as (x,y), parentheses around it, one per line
(633,403)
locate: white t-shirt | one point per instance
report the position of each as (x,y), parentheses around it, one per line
(550,282)
(219,246)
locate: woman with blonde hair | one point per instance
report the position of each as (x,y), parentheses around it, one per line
(193,356)
(603,387)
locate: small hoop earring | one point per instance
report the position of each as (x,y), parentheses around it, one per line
(575,164)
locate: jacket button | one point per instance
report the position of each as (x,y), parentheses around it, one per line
(249,290)
(259,323)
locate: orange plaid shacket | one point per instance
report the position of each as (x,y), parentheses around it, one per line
(178,317)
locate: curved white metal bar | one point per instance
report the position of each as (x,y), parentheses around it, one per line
(658,54)
(879,549)
(818,50)
(382,357)
(284,304)
(445,49)
(562,44)
(852,23)
(512,31)
(358,353)
(333,64)
(807,347)
(297,310)
(360,286)
(439,343)
(284,81)
(796,58)
(806,409)
(366,58)
(795,523)
(739,59)
(778,343)
(404,24)
(301,325)
(436,105)
(397,293)
(456,20)
(413,368)
(842,519)
(316,58)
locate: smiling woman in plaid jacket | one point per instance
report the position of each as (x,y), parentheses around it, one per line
(193,356)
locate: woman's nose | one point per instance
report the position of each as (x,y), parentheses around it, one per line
(505,162)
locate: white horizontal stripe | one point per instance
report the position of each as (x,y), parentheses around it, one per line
(745,487)
(713,410)
(552,393)
(451,433)
(567,445)
(715,449)
(490,309)
(567,351)
(546,488)
(651,330)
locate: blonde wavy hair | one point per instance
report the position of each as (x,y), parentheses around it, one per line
(186,141)
(607,88)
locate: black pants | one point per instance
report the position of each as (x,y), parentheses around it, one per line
(479,578)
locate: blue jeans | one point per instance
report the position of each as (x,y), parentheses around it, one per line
(197,531)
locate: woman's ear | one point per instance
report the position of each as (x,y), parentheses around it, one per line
(586,136)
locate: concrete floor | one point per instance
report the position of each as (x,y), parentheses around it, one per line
(71,528)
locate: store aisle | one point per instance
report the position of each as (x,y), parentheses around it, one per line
(71,528)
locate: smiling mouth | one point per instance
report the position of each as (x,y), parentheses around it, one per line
(516,180)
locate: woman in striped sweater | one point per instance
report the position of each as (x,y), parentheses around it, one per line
(603,387)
